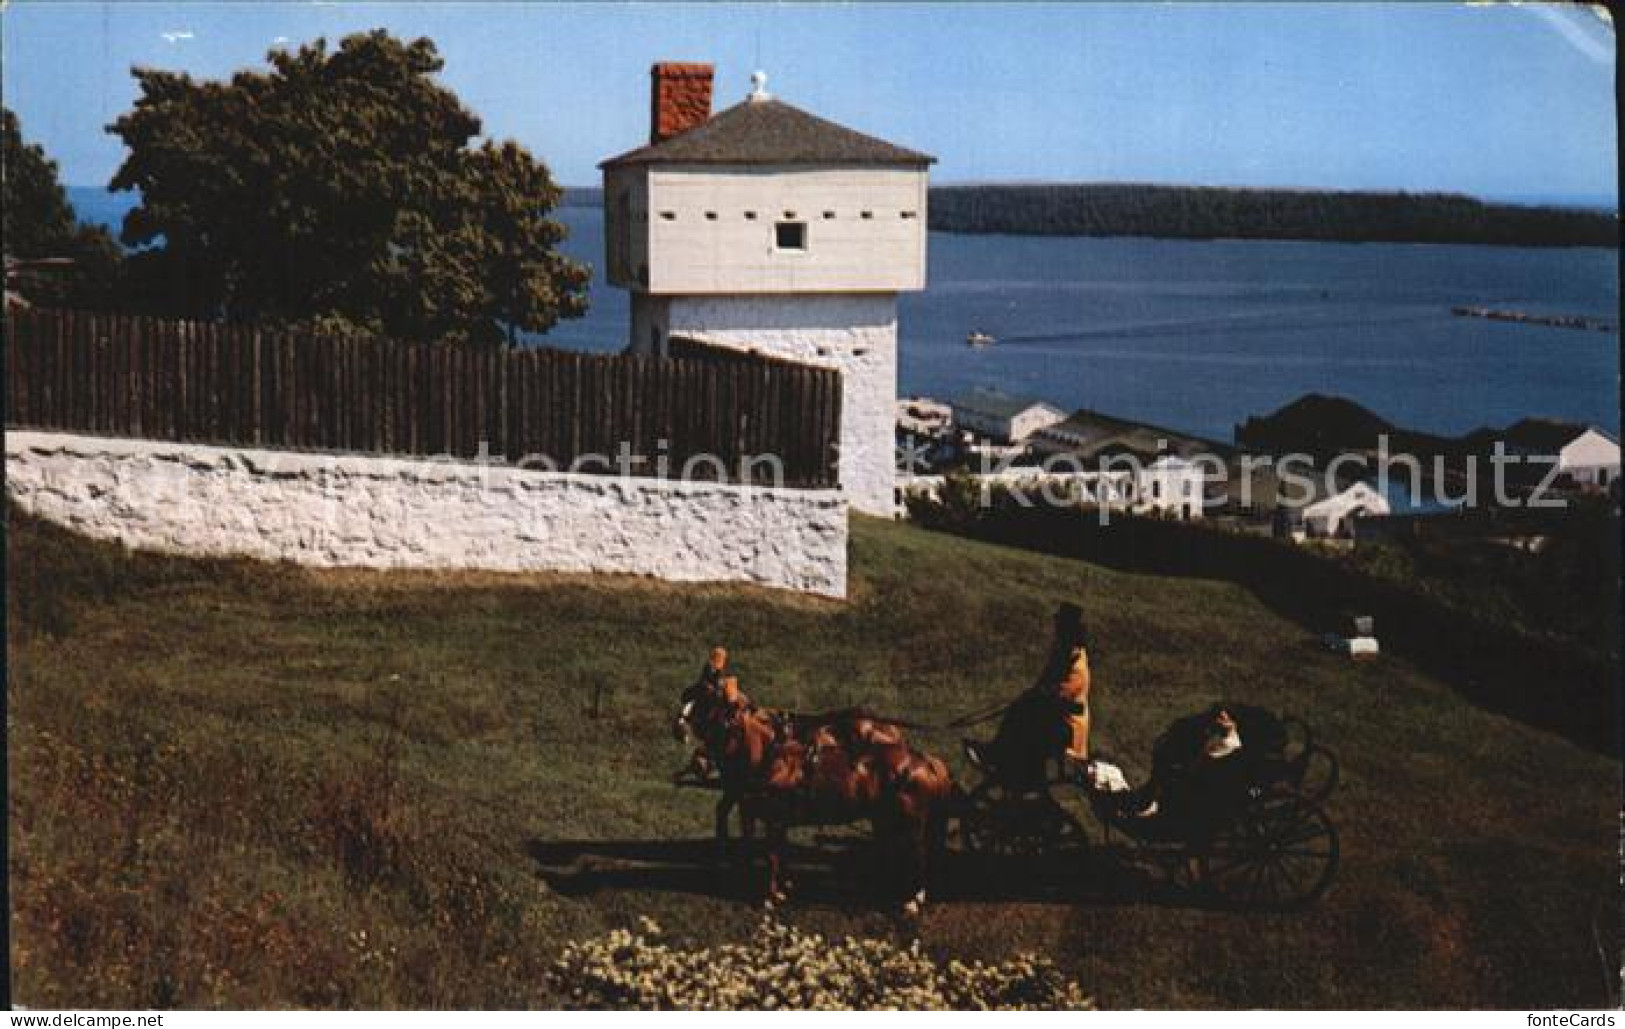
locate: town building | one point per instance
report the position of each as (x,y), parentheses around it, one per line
(766,228)
(1173,485)
(1586,455)
(1334,517)
(1091,435)
(1169,487)
(1001,417)
(1229,482)
(923,417)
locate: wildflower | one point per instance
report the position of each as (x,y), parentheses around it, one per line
(783,967)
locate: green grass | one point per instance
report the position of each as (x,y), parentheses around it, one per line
(222,794)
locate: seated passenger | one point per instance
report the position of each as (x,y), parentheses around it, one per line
(1201,768)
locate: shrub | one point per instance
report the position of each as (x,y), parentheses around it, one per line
(782,967)
(359,817)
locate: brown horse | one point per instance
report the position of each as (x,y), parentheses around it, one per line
(846,766)
(705,714)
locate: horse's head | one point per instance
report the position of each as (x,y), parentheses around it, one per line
(739,739)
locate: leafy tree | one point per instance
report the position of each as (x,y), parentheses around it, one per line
(341,189)
(40,223)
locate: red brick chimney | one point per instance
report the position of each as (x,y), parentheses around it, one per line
(679,98)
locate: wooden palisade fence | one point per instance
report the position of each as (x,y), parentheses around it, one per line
(241,385)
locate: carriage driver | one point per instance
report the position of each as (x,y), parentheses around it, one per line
(1066,678)
(1051,718)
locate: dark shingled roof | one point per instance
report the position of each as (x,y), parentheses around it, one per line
(1090,434)
(768,131)
(995,404)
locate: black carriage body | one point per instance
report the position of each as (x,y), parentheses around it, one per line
(1252,834)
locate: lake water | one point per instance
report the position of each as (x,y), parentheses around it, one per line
(1198,335)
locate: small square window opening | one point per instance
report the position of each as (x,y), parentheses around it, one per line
(790,235)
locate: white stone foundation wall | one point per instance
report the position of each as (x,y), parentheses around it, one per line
(855,333)
(374,512)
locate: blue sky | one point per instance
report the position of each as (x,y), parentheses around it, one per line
(1495,100)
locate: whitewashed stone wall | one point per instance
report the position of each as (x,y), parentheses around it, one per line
(330,510)
(855,333)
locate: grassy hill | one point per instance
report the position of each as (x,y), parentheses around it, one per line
(239,784)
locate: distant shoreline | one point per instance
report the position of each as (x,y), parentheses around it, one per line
(1195,213)
(1139,210)
(1206,212)
(593,196)
(1154,211)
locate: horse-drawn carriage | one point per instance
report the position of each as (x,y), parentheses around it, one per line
(1255,836)
(1248,829)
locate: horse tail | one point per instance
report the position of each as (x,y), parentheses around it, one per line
(934,791)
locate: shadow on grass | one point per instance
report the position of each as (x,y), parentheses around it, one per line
(846,872)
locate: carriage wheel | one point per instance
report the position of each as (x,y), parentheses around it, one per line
(1281,853)
(1299,737)
(1000,821)
(1320,774)
(1314,768)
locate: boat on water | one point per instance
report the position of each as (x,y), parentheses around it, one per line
(978,338)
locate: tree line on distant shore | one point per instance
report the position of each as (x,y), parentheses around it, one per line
(1205,212)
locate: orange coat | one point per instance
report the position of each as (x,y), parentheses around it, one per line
(1074,686)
